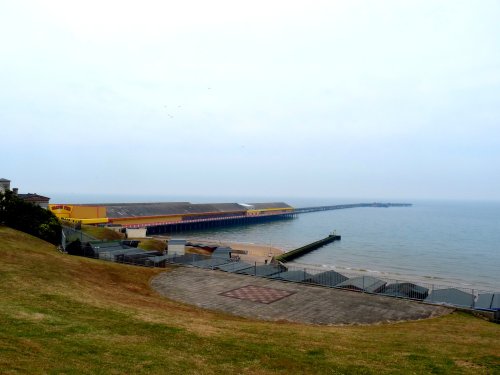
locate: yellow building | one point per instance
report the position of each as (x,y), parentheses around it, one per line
(135,215)
(80,213)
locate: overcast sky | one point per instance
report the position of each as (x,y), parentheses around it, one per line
(385,99)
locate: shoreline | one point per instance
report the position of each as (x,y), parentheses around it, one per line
(437,282)
(251,252)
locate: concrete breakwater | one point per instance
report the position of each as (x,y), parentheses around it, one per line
(307,248)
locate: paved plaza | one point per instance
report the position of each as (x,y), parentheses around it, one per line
(267,299)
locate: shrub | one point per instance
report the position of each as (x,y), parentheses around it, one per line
(30,218)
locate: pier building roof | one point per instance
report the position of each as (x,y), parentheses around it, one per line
(126,210)
(262,206)
(168,208)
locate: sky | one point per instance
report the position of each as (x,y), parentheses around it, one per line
(384,99)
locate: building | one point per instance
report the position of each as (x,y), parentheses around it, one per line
(176,246)
(368,284)
(39,200)
(83,214)
(4,185)
(135,232)
(171,216)
(451,296)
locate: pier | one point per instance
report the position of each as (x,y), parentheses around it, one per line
(216,222)
(244,219)
(290,255)
(303,210)
(179,217)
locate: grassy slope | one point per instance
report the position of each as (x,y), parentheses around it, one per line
(60,313)
(106,234)
(151,244)
(102,233)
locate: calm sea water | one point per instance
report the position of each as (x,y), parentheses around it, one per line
(454,243)
(437,242)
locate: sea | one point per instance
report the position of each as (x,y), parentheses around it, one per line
(450,243)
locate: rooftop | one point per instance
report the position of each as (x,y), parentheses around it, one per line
(32,196)
(121,210)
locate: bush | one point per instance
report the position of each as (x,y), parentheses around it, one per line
(30,218)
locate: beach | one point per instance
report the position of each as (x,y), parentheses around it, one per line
(247,251)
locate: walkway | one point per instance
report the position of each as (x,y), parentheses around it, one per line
(265,299)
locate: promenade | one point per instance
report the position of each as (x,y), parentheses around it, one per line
(265,299)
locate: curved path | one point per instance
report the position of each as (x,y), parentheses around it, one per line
(266,299)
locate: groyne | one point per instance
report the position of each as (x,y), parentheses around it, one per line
(307,248)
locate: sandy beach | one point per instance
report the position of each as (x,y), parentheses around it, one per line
(249,252)
(254,252)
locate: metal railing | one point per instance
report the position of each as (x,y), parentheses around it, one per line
(420,291)
(70,234)
(433,293)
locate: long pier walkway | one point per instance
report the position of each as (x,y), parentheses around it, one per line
(197,224)
(303,210)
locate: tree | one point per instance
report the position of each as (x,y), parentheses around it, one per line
(30,218)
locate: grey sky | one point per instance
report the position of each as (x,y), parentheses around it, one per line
(354,99)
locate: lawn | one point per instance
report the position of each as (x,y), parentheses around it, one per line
(105,234)
(67,314)
(102,233)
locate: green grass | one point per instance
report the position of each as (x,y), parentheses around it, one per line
(102,233)
(151,244)
(107,234)
(65,314)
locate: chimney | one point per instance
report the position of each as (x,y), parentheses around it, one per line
(14,190)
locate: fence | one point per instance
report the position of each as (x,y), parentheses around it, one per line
(430,293)
(70,234)
(420,291)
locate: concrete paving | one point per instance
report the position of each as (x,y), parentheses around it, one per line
(308,303)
